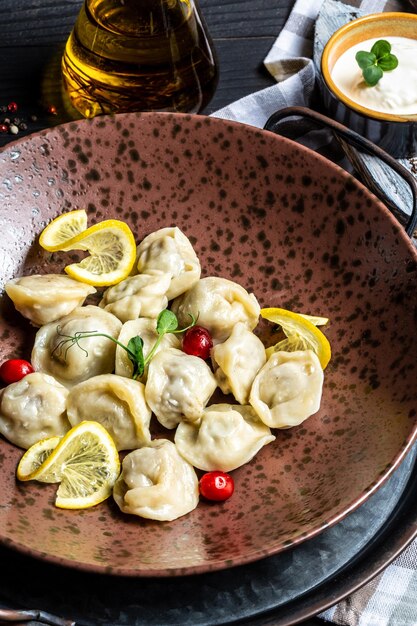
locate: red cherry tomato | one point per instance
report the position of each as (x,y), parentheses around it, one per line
(197,341)
(216,486)
(14,369)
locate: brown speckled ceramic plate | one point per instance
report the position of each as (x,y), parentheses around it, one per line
(283,222)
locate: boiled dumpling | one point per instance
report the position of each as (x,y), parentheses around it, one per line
(170,251)
(34,408)
(219,304)
(72,364)
(237,361)
(47,297)
(178,387)
(288,388)
(146,329)
(116,402)
(226,437)
(156,483)
(143,294)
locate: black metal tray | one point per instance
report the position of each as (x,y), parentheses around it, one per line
(280,590)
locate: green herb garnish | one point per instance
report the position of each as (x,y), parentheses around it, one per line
(166,323)
(374,63)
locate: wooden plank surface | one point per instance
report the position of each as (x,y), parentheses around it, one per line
(44,22)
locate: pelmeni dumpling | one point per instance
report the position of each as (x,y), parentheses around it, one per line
(219,304)
(145,328)
(70,364)
(178,387)
(143,294)
(226,437)
(288,388)
(116,402)
(34,408)
(44,298)
(156,483)
(237,361)
(170,251)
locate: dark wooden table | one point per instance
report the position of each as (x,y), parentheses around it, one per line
(33,34)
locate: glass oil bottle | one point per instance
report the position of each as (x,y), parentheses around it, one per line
(139,55)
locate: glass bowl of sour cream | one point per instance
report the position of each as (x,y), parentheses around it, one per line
(385,113)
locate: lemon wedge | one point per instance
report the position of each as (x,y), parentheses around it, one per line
(85,462)
(315,319)
(35,456)
(110,244)
(62,229)
(301,334)
(112,254)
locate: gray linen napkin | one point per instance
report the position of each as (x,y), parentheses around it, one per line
(390,599)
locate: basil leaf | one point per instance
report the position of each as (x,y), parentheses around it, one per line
(381,48)
(365,59)
(388,62)
(135,354)
(166,323)
(372,75)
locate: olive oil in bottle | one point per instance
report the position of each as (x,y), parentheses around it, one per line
(139,55)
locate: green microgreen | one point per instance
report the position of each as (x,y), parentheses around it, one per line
(166,322)
(374,63)
(135,353)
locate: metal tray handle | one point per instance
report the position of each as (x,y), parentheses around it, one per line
(355,140)
(10,616)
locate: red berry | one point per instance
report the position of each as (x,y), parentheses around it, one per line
(51,109)
(197,341)
(217,486)
(3,128)
(12,107)
(14,369)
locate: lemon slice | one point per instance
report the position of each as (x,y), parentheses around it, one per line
(301,334)
(315,319)
(35,456)
(112,254)
(62,229)
(85,462)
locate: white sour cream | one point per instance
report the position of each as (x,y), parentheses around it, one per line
(396,91)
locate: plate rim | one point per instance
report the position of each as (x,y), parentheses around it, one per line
(412,437)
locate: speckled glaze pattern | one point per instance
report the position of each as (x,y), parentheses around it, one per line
(283,222)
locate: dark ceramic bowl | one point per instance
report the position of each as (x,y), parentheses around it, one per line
(394,133)
(282,221)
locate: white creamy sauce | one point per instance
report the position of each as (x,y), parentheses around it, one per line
(396,91)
